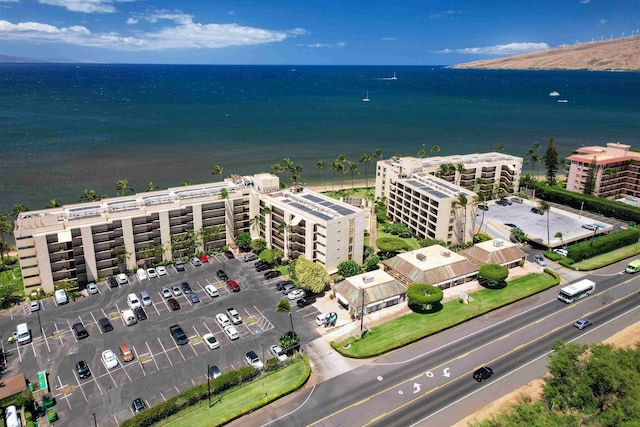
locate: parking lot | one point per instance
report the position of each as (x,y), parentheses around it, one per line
(161,368)
(498,221)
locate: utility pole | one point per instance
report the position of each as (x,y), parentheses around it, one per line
(208,385)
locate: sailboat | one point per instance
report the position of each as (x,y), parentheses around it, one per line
(388,78)
(366,98)
(394,76)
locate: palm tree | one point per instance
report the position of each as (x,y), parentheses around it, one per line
(285,307)
(421,154)
(558,235)
(122,188)
(435,149)
(462,201)
(17,209)
(224,193)
(322,166)
(536,158)
(352,168)
(459,169)
(296,172)
(53,203)
(545,207)
(217,170)
(89,196)
(184,184)
(5,228)
(338,167)
(501,147)
(480,199)
(366,159)
(151,186)
(286,165)
(378,154)
(258,221)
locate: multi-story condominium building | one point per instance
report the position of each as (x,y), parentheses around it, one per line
(487,172)
(298,222)
(87,241)
(617,170)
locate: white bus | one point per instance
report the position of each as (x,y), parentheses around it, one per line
(575,291)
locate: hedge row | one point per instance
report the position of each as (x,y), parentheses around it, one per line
(190,397)
(606,207)
(597,246)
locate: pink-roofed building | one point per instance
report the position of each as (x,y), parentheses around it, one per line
(617,170)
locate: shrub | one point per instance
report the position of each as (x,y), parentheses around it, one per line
(493,272)
(391,244)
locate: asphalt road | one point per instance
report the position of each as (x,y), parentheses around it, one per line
(161,368)
(419,381)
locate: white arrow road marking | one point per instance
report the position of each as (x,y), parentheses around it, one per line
(416,388)
(446,372)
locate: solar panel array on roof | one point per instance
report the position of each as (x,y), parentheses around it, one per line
(342,210)
(309,210)
(427,189)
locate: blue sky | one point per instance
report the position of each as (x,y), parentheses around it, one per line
(322,32)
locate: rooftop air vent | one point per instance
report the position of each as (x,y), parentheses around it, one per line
(421,257)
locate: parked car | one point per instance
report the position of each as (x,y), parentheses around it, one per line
(212,291)
(82,369)
(138,405)
(92,289)
(582,323)
(483,373)
(252,359)
(140,314)
(250,257)
(105,324)
(173,304)
(166,292)
(483,207)
(561,251)
(288,288)
(152,273)
(505,201)
(123,279)
(222,275)
(539,260)
(517,200)
(204,258)
(263,267)
(211,341)
(142,275)
(112,282)
(229,254)
(223,320)
(277,352)
(178,335)
(79,331)
(305,301)
(281,284)
(508,224)
(196,262)
(126,353)
(194,297)
(161,270)
(179,265)
(235,317)
(231,332)
(233,286)
(109,359)
(260,262)
(537,211)
(295,294)
(589,227)
(145,298)
(176,290)
(214,372)
(34,305)
(186,288)
(271,274)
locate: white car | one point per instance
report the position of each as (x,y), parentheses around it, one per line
(212,291)
(161,270)
(223,320)
(562,252)
(211,341)
(252,359)
(109,359)
(320,319)
(152,273)
(231,332)
(166,292)
(295,294)
(176,290)
(92,288)
(276,350)
(122,279)
(34,305)
(142,275)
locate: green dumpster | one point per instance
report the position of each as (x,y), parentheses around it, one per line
(51,415)
(47,401)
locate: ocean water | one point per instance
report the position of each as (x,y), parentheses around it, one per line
(69,127)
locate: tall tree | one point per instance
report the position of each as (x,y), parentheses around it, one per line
(378,153)
(296,173)
(338,167)
(18,209)
(151,186)
(421,154)
(89,196)
(352,168)
(366,159)
(217,170)
(462,202)
(480,199)
(322,166)
(435,149)
(590,179)
(501,147)
(545,207)
(53,203)
(122,188)
(552,162)
(459,170)
(536,158)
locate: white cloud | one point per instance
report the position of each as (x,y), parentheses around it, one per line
(187,35)
(298,32)
(390,39)
(602,21)
(585,1)
(443,14)
(85,6)
(177,17)
(322,45)
(9,1)
(132,21)
(231,12)
(501,49)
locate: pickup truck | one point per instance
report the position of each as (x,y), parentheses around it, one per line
(234,316)
(178,335)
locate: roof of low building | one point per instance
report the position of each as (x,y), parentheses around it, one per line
(496,251)
(377,285)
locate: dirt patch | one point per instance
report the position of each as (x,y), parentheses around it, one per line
(626,338)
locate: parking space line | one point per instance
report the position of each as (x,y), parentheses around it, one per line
(80,387)
(110,376)
(18,350)
(152,357)
(64,395)
(34,348)
(58,333)
(165,351)
(46,341)
(98,385)
(126,373)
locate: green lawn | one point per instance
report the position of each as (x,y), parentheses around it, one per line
(608,258)
(243,399)
(360,192)
(414,326)
(412,242)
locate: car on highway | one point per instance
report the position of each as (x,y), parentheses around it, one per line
(277,352)
(138,405)
(211,341)
(483,373)
(305,301)
(176,290)
(582,323)
(92,289)
(222,275)
(142,275)
(295,294)
(252,359)
(214,372)
(173,304)
(179,265)
(82,369)
(161,270)
(483,207)
(233,286)
(212,291)
(109,359)
(223,320)
(540,260)
(178,335)
(561,251)
(166,292)
(105,324)
(152,273)
(231,332)
(508,224)
(196,262)
(271,274)
(34,305)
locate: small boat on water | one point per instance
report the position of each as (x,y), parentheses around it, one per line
(389,78)
(366,98)
(554,93)
(563,101)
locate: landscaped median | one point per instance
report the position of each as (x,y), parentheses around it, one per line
(191,407)
(415,326)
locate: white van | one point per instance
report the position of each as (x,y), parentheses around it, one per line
(129,318)
(22,334)
(133,301)
(61,297)
(11,417)
(146,299)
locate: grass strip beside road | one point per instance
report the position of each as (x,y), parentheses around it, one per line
(412,327)
(609,258)
(240,400)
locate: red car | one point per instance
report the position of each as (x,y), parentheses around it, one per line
(233,285)
(204,258)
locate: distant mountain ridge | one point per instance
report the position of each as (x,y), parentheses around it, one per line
(610,55)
